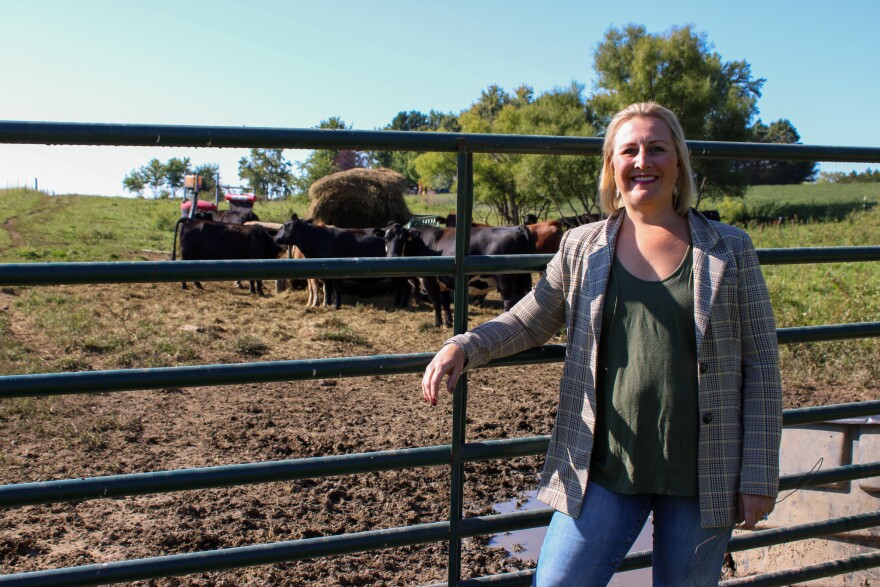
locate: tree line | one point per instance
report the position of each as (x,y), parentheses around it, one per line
(715,100)
(165,179)
(867,176)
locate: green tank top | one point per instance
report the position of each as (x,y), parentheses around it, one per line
(647,414)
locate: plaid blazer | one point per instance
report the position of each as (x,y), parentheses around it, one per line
(740,393)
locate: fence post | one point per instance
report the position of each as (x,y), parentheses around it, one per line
(463,212)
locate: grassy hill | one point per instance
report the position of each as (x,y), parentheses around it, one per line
(37,227)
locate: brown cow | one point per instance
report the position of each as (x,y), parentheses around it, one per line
(546,235)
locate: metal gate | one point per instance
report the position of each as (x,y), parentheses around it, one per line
(454,455)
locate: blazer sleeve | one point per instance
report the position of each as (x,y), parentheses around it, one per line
(533,321)
(761,383)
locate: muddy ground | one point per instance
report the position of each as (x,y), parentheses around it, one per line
(128,432)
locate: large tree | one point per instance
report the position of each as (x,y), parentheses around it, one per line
(267,173)
(404,162)
(495,182)
(563,184)
(323,162)
(514,184)
(714,100)
(777,172)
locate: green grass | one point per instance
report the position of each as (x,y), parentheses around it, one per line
(826,293)
(82,228)
(36,227)
(818,193)
(336,330)
(249,345)
(63,317)
(799,203)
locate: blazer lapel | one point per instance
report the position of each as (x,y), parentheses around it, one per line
(600,257)
(710,262)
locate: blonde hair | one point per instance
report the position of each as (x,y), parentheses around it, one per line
(685,190)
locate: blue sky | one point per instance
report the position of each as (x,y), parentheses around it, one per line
(292,64)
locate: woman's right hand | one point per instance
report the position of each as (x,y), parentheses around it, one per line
(449,361)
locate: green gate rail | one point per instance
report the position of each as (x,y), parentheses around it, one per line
(228,558)
(112,486)
(12,274)
(41,384)
(454,455)
(159,135)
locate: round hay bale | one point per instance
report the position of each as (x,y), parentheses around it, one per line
(359,198)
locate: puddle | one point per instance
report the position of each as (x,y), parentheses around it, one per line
(526,544)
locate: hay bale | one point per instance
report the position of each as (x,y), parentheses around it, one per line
(359,198)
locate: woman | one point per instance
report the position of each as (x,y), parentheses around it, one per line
(670,398)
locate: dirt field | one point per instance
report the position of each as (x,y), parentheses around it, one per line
(103,434)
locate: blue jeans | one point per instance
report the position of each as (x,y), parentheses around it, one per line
(587,550)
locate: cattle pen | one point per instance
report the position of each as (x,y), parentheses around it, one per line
(454,455)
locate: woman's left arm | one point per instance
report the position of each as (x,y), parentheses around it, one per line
(761,384)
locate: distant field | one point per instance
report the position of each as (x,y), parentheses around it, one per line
(818,193)
(821,201)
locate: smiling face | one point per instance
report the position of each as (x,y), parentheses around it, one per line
(645,163)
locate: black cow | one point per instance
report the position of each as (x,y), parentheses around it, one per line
(329,242)
(231,216)
(711,215)
(575,221)
(205,240)
(451,221)
(428,241)
(234,215)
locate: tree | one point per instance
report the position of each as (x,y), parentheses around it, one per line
(175,172)
(267,173)
(492,100)
(404,161)
(495,182)
(777,172)
(714,100)
(154,175)
(408,120)
(323,162)
(210,174)
(172,174)
(564,183)
(443,122)
(435,171)
(135,182)
(515,184)
(868,176)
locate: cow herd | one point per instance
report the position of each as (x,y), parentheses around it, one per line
(203,238)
